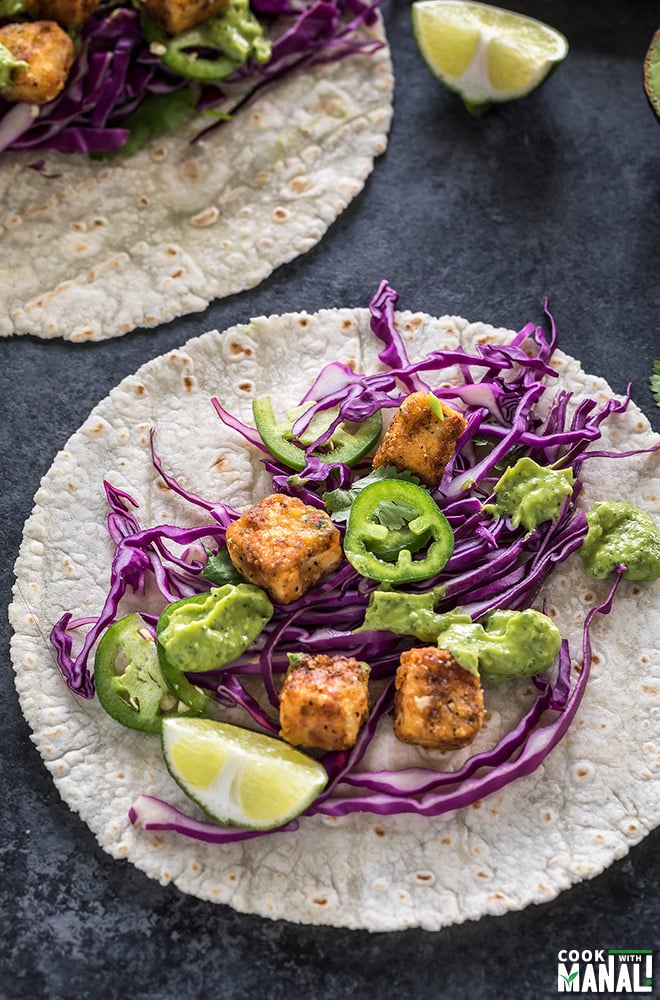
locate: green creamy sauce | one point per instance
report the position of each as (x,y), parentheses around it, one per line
(530,494)
(7,65)
(621,534)
(209,630)
(214,49)
(239,34)
(503,645)
(408,614)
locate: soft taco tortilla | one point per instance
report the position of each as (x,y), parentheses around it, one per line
(93,249)
(597,792)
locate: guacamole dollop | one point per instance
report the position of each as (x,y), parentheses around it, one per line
(504,644)
(530,493)
(208,630)
(409,614)
(620,534)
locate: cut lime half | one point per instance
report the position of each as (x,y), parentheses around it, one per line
(485,54)
(652,73)
(239,776)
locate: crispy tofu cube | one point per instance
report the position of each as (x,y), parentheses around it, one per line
(324,701)
(437,702)
(48,52)
(69,13)
(419,440)
(284,546)
(179,15)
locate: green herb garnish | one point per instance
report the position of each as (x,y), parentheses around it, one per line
(338,502)
(654,382)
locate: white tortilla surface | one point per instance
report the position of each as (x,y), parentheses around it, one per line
(596,794)
(94,249)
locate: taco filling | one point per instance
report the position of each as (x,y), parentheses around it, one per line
(101,76)
(168,165)
(396,591)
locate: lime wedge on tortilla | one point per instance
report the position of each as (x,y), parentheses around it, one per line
(485,54)
(652,73)
(239,776)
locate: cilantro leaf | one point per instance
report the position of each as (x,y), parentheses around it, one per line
(338,502)
(156,114)
(654,382)
(395,514)
(220,569)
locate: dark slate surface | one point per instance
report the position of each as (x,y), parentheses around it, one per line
(555,195)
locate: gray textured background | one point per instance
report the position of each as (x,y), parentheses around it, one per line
(557,194)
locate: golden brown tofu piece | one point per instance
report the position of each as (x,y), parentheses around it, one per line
(284,546)
(179,15)
(69,13)
(437,702)
(324,701)
(419,440)
(48,52)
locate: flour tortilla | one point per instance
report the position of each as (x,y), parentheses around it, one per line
(595,795)
(92,250)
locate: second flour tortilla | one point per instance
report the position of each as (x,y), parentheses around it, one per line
(596,794)
(92,250)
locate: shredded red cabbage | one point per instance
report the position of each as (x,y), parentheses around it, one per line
(154,814)
(115,71)
(493,565)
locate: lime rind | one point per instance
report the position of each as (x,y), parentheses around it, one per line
(240,777)
(485,54)
(652,73)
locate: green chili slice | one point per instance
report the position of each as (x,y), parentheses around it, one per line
(389,522)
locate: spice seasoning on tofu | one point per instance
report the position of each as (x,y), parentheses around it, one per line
(68,13)
(422,437)
(179,15)
(437,702)
(43,53)
(324,701)
(284,546)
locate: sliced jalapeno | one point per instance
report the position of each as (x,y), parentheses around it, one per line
(129,683)
(347,445)
(384,552)
(212,50)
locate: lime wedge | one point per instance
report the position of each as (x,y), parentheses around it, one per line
(239,776)
(483,53)
(652,73)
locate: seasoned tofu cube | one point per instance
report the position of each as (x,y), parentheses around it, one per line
(69,13)
(421,438)
(48,52)
(437,702)
(284,546)
(179,15)
(324,701)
